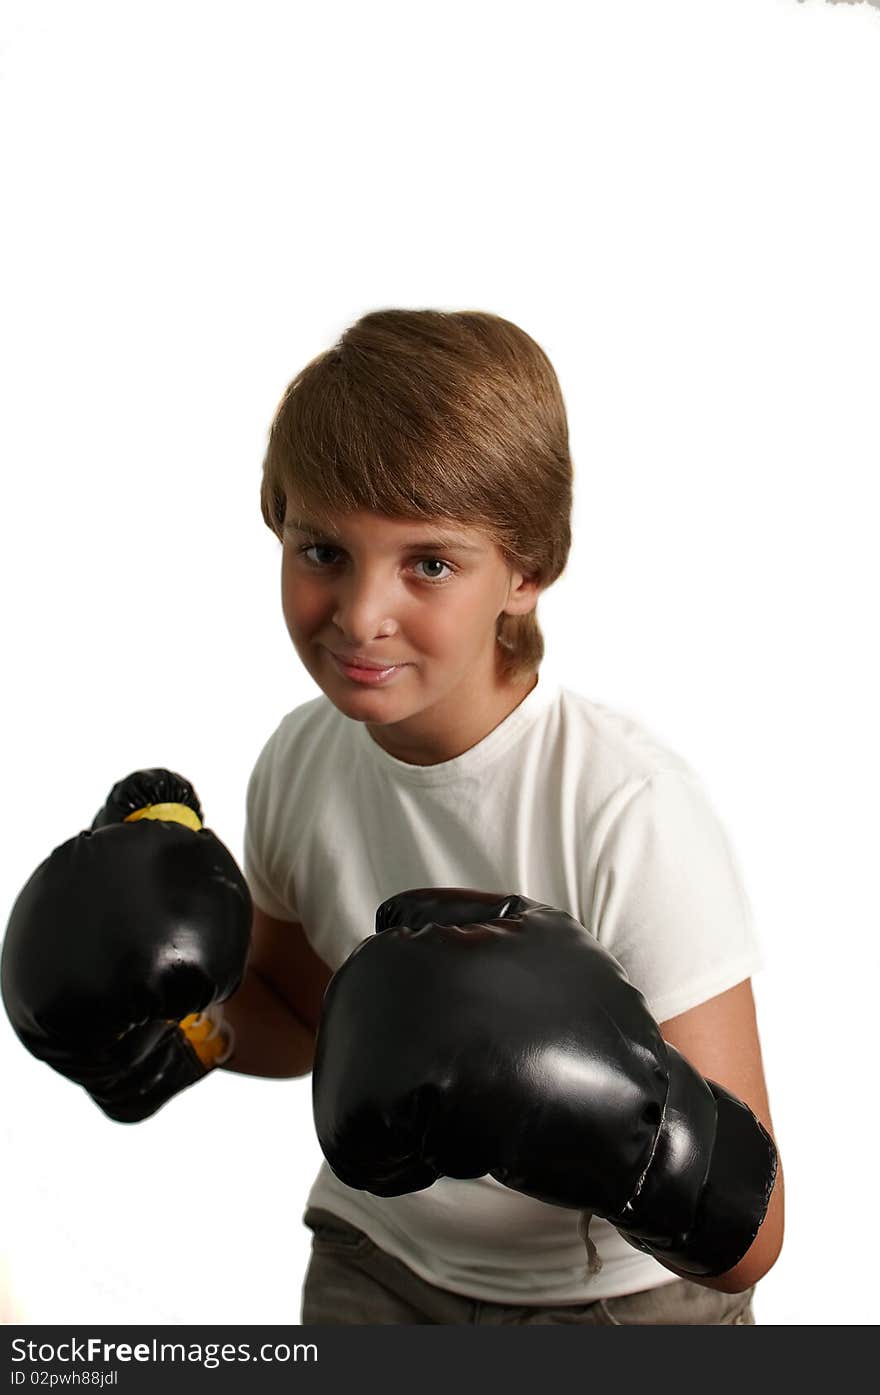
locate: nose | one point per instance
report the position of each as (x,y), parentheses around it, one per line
(364,607)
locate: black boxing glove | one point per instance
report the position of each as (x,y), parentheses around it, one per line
(121,943)
(478,1033)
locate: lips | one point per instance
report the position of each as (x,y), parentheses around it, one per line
(368,677)
(357,661)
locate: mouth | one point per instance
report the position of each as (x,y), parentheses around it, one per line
(372,674)
(359,661)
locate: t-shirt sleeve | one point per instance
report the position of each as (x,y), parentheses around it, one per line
(670,902)
(267,879)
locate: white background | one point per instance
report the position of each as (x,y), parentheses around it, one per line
(679,202)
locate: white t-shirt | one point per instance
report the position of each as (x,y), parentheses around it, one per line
(566,802)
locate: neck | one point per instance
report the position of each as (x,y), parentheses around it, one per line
(453,725)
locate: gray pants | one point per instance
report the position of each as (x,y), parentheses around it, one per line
(350,1281)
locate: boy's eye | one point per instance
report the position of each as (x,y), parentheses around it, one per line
(430,561)
(435,562)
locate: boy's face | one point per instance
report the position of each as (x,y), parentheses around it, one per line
(422,596)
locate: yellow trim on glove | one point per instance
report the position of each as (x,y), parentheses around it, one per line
(169,813)
(211,1038)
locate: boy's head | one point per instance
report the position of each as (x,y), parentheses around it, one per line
(417,426)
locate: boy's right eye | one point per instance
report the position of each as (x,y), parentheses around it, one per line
(315,547)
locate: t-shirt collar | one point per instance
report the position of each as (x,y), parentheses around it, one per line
(478,757)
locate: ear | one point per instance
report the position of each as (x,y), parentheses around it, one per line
(522,595)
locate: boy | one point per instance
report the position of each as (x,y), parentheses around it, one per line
(419,479)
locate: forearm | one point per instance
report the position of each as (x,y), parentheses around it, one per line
(270,1040)
(761,1255)
(701,1206)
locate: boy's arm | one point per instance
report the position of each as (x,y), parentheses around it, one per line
(274,1013)
(720,1039)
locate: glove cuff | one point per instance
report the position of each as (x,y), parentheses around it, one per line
(705,1192)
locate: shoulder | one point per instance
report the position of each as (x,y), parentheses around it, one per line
(300,736)
(285,786)
(619,750)
(309,716)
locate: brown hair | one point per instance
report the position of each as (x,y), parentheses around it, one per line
(428,414)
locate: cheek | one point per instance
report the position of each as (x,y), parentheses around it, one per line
(457,624)
(301,603)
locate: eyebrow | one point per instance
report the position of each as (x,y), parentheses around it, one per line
(441,544)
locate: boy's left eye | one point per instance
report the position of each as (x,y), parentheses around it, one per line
(435,562)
